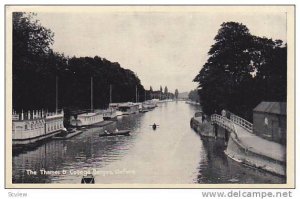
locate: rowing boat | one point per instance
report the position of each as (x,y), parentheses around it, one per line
(120,132)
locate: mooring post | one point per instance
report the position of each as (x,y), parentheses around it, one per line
(216,130)
(226,137)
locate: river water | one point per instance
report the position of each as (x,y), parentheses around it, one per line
(172,154)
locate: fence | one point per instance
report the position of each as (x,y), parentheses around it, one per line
(242,122)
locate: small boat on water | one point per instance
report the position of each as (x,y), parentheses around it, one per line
(88,179)
(154,126)
(143,110)
(67,134)
(120,132)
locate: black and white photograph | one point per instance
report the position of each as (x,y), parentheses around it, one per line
(150,96)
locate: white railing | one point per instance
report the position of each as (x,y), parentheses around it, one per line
(242,122)
(223,122)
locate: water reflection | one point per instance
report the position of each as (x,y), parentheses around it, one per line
(173,153)
(221,169)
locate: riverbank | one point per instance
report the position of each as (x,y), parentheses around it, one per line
(204,129)
(272,160)
(172,154)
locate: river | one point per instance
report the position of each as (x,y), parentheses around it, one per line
(172,154)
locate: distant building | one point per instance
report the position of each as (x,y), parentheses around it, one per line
(269,121)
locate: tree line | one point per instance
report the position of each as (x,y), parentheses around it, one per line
(161,94)
(241,71)
(36,68)
(194,96)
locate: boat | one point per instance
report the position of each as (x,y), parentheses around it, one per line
(120,132)
(88,179)
(143,110)
(87,119)
(140,104)
(119,113)
(128,108)
(67,135)
(192,102)
(36,125)
(115,106)
(109,114)
(83,128)
(154,126)
(149,105)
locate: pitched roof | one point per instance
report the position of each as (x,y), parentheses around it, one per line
(271,107)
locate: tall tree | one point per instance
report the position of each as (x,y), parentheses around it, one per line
(227,69)
(194,95)
(166,94)
(166,90)
(176,93)
(33,62)
(36,66)
(234,74)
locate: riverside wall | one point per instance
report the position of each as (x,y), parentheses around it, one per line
(236,151)
(206,129)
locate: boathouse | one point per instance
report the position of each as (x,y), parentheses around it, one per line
(269,121)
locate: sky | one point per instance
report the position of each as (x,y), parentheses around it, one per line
(162,48)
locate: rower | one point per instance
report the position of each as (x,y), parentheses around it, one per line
(154,126)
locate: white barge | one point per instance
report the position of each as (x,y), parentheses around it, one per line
(34,126)
(109,114)
(87,119)
(128,108)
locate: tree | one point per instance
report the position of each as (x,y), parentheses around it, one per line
(194,95)
(29,37)
(234,75)
(33,62)
(227,68)
(36,66)
(176,93)
(166,92)
(151,90)
(271,69)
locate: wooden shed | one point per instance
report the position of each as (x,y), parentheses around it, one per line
(269,121)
